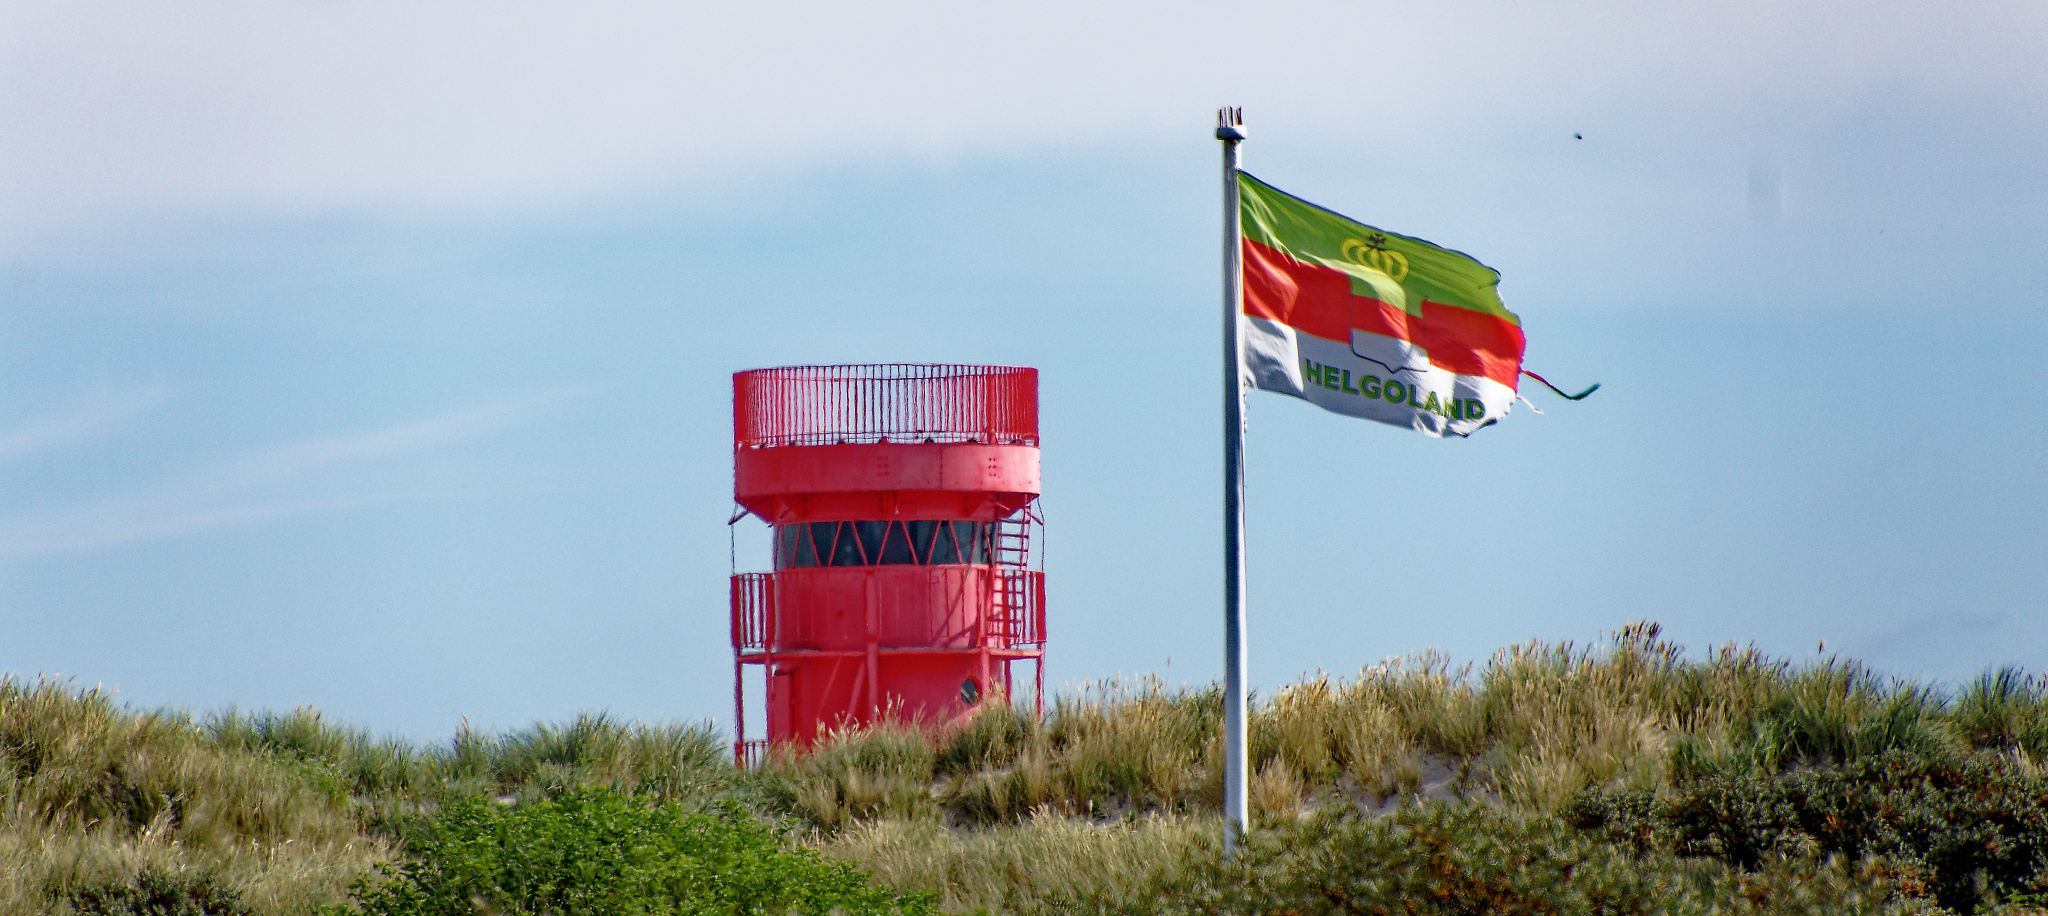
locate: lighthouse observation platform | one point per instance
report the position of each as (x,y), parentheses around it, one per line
(889,402)
(900,497)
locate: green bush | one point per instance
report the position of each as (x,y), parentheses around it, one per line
(1955,826)
(1436,859)
(596,852)
(154,893)
(1452,860)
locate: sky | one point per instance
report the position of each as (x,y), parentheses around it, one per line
(375,356)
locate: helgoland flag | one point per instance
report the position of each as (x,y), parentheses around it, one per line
(1369,323)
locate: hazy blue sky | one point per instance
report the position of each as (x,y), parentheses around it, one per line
(376,356)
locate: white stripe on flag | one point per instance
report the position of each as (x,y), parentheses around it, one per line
(1335,376)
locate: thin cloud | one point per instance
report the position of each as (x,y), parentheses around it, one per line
(306,458)
(119,106)
(265,486)
(119,522)
(97,417)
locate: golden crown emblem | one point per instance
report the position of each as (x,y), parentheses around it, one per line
(1372,254)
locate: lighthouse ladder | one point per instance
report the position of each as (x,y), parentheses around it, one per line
(1013,540)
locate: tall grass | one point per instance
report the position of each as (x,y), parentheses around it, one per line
(1079,811)
(854,775)
(1532,727)
(1117,782)
(2005,708)
(278,812)
(91,795)
(671,762)
(1042,864)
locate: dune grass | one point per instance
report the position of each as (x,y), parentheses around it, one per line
(93,796)
(1111,796)
(1044,863)
(274,812)
(1014,814)
(1532,728)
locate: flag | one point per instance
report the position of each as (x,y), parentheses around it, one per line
(1371,324)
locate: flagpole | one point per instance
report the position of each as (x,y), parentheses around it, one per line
(1236,782)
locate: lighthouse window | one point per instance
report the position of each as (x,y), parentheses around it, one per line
(846,546)
(896,546)
(944,550)
(880,543)
(973,539)
(922,534)
(871,537)
(822,538)
(793,547)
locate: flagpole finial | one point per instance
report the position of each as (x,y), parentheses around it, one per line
(1229,123)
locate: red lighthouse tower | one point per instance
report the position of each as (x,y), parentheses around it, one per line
(900,497)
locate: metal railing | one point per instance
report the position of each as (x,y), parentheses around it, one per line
(891,402)
(1019,608)
(753,596)
(1016,619)
(749,753)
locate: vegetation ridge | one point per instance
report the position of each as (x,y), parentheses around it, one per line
(1617,777)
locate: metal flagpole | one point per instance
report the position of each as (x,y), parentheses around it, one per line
(1230,130)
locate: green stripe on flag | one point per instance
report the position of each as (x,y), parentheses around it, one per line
(1393,268)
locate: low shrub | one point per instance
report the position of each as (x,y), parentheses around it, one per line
(1954,827)
(1451,860)
(598,852)
(156,893)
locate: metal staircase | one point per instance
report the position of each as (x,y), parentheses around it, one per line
(1013,540)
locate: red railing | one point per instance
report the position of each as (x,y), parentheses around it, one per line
(749,753)
(893,402)
(1017,618)
(1019,608)
(753,596)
